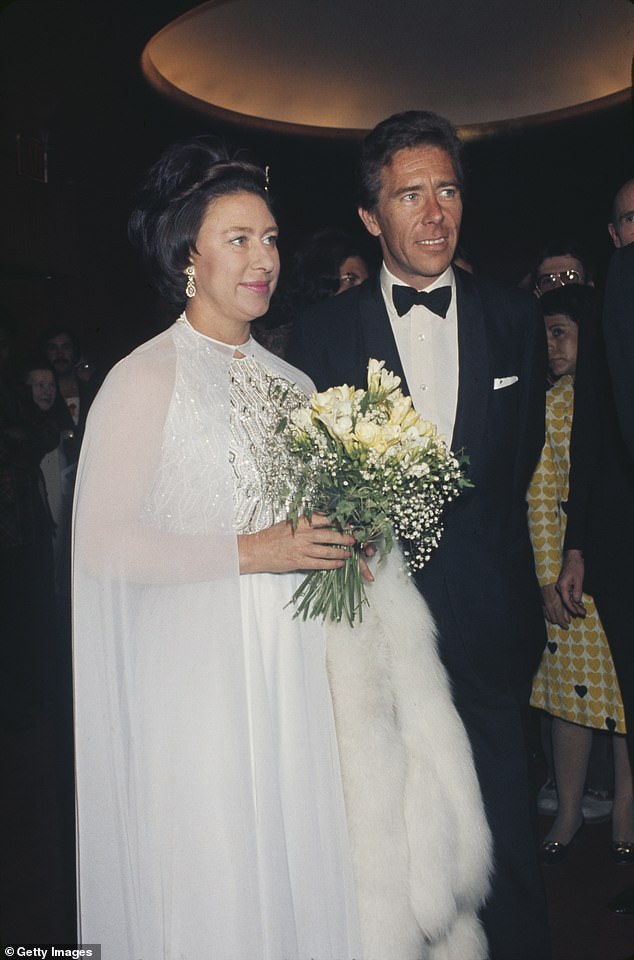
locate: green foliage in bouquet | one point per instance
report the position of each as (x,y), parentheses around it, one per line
(373,466)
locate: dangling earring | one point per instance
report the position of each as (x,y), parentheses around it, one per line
(190,289)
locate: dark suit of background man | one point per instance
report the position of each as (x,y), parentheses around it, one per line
(479,373)
(618,330)
(600,530)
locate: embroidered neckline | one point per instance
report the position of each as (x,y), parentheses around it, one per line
(237,348)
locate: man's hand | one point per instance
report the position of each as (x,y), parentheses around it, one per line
(570,582)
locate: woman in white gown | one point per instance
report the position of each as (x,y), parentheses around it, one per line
(210,810)
(212,794)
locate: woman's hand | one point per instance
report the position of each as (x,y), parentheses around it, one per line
(313,545)
(554,609)
(570,582)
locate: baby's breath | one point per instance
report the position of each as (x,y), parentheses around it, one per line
(371,464)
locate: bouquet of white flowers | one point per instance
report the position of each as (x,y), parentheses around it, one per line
(373,466)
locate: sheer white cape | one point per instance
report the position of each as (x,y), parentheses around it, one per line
(210,811)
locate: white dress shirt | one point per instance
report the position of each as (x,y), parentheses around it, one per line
(428,348)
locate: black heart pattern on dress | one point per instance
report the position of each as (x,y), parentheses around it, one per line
(610,723)
(581,689)
(552,646)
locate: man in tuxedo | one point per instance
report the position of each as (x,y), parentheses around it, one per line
(621,227)
(472,355)
(598,546)
(618,333)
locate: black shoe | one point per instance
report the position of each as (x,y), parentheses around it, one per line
(553,851)
(622,851)
(623,904)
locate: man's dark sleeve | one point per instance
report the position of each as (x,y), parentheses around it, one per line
(586,439)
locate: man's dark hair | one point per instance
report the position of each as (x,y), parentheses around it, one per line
(413,128)
(174,198)
(614,213)
(57,330)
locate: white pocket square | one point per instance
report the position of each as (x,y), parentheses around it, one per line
(500,382)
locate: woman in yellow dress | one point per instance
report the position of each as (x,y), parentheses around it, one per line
(576,683)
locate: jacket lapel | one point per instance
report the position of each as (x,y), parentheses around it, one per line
(474,383)
(474,374)
(376,330)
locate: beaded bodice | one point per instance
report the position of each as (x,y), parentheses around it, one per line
(253,422)
(219,442)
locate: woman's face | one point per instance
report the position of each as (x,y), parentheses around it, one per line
(42,384)
(561,335)
(236,264)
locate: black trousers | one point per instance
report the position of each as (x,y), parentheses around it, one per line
(618,622)
(515,914)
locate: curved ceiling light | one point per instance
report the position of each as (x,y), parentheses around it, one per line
(339,66)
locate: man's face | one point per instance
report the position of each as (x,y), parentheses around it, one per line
(60,353)
(556,272)
(622,230)
(417,215)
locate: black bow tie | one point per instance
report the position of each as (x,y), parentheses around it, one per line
(437,300)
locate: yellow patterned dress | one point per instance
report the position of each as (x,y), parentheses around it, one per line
(576,679)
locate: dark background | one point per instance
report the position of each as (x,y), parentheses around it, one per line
(71,80)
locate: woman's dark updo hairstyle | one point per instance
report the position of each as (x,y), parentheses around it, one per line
(173,199)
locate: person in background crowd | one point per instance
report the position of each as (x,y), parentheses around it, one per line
(621,226)
(618,334)
(27,598)
(39,377)
(561,262)
(598,554)
(579,697)
(75,385)
(326,263)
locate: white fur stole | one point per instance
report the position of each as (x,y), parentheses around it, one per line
(421,845)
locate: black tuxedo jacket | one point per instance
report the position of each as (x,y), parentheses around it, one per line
(618,333)
(480,582)
(600,504)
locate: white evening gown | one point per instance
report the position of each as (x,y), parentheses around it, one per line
(211,819)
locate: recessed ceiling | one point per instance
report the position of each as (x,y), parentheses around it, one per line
(342,65)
